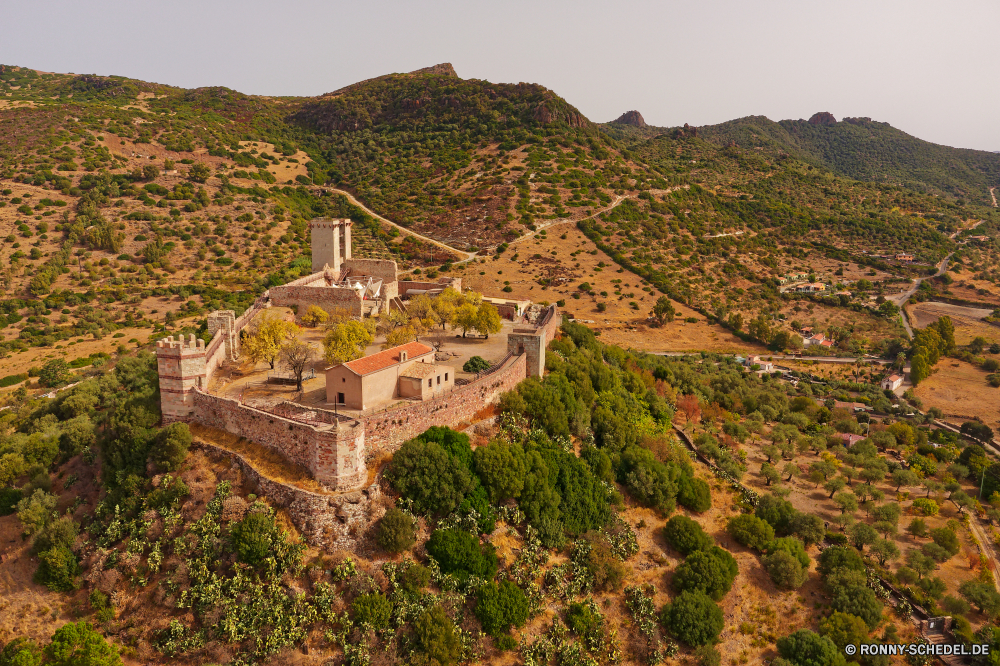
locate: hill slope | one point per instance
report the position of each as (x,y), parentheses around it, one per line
(868,150)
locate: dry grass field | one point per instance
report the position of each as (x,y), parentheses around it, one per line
(960,390)
(968,321)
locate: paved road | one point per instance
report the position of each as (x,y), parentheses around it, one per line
(777,357)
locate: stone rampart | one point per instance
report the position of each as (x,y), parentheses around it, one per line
(333,453)
(328,298)
(387,430)
(334,522)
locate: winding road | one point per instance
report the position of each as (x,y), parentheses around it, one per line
(901,298)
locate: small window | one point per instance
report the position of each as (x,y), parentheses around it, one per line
(343,379)
(446,376)
(430,382)
(439,380)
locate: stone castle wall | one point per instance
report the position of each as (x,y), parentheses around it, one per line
(333,453)
(328,298)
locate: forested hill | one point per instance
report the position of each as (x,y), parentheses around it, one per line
(868,150)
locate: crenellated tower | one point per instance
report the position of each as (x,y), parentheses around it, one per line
(181,366)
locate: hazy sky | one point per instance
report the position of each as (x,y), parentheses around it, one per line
(927,67)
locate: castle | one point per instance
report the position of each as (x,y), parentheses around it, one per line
(337,448)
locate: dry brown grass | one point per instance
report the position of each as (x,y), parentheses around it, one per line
(968,321)
(268,462)
(960,390)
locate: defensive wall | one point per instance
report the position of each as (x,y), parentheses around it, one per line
(314,290)
(334,448)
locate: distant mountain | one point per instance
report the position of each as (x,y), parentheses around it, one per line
(867,150)
(633,118)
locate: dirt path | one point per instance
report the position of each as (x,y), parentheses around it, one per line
(988,548)
(992,190)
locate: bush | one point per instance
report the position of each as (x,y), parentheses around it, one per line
(751,531)
(57,569)
(500,607)
(582,619)
(9,497)
(35,511)
(79,645)
(372,609)
(693,618)
(170,447)
(859,601)
(415,578)
(839,557)
(10,380)
(21,652)
(396,531)
(708,571)
(785,570)
(501,468)
(54,373)
(686,536)
(694,494)
(252,537)
(476,364)
(807,648)
(425,473)
(844,629)
(925,506)
(460,553)
(61,532)
(437,637)
(707,655)
(778,512)
(607,572)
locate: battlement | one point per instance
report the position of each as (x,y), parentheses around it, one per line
(180,346)
(331,243)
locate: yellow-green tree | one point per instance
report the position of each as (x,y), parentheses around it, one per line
(315,315)
(266,338)
(399,336)
(488,319)
(346,341)
(465,317)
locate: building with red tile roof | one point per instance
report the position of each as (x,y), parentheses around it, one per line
(404,372)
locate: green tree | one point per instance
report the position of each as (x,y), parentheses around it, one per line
(884,551)
(664,310)
(476,364)
(750,531)
(844,629)
(21,652)
(686,536)
(425,473)
(35,511)
(501,468)
(983,596)
(57,569)
(396,531)
(253,537)
(706,571)
(170,446)
(488,319)
(693,618)
(861,535)
(500,607)
(807,648)
(785,570)
(54,373)
(78,644)
(458,552)
(264,340)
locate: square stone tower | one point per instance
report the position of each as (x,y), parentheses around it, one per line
(181,366)
(331,243)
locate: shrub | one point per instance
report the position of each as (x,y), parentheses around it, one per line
(252,537)
(35,511)
(54,373)
(686,536)
(709,571)
(777,512)
(476,364)
(21,652)
(694,494)
(437,637)
(751,531)
(807,648)
(582,619)
(785,570)
(396,531)
(501,467)
(425,473)
(9,497)
(693,618)
(707,655)
(460,553)
(57,569)
(415,578)
(925,506)
(844,629)
(839,557)
(78,644)
(372,609)
(10,380)
(500,607)
(859,601)
(61,532)
(607,572)
(170,447)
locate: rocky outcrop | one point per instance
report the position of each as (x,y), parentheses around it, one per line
(631,118)
(444,69)
(823,118)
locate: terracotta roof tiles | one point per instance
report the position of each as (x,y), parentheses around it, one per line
(387,358)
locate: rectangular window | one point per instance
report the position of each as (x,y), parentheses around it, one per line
(430,383)
(439,380)
(446,376)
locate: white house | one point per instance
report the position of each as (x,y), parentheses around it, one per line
(762,365)
(814,340)
(892,382)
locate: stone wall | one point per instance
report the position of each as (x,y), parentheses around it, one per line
(180,365)
(333,522)
(333,453)
(387,430)
(328,298)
